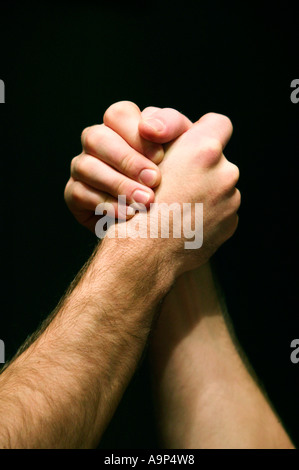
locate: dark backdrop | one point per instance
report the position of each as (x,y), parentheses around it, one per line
(63,65)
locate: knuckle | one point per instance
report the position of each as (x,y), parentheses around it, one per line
(91,137)
(127,164)
(78,167)
(229,176)
(226,122)
(220,119)
(234,174)
(210,151)
(76,193)
(73,165)
(67,191)
(234,204)
(237,199)
(118,110)
(91,140)
(83,134)
(120,187)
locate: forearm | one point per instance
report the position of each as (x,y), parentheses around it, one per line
(206,398)
(63,389)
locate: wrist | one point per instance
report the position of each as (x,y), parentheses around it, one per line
(159,233)
(146,265)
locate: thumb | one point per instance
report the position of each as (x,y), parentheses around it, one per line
(162,125)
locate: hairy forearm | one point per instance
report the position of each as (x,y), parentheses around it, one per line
(205,395)
(62,390)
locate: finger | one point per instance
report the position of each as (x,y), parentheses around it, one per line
(216,126)
(162,125)
(100,176)
(105,144)
(123,117)
(149,111)
(82,201)
(207,138)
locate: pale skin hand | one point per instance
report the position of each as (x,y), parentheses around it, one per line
(119,162)
(199,402)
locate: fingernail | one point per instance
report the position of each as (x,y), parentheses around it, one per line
(148,177)
(154,153)
(130,210)
(141,196)
(155,124)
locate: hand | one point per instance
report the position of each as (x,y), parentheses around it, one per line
(194,169)
(196,156)
(118,158)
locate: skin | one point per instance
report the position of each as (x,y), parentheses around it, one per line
(65,383)
(82,194)
(195,361)
(206,395)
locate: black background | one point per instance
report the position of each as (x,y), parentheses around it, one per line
(63,64)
